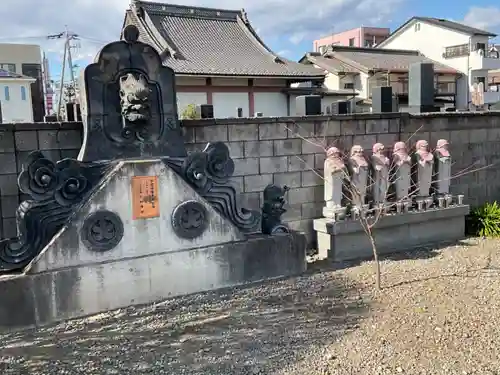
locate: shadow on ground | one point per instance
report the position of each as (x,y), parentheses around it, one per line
(254,330)
(424,252)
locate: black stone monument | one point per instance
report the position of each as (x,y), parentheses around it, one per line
(421,88)
(129,108)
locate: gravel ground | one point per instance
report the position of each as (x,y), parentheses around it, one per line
(437,314)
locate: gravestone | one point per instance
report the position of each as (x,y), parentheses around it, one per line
(135,219)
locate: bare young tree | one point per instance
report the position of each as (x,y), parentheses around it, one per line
(369,216)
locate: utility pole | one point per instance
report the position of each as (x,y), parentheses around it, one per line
(61,88)
(67,55)
(70,59)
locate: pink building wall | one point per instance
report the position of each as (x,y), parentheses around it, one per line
(358,36)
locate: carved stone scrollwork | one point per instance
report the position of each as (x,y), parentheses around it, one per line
(272,210)
(56,190)
(102,231)
(209,172)
(190,219)
(220,166)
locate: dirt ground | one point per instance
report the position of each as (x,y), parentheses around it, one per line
(437,314)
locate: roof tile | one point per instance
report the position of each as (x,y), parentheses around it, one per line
(373,59)
(212,42)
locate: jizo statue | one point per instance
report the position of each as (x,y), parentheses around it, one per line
(334,174)
(358,167)
(380,166)
(401,171)
(424,168)
(443,167)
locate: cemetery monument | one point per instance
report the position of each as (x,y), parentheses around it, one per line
(134,219)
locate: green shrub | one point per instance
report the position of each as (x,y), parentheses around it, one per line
(189,113)
(484,221)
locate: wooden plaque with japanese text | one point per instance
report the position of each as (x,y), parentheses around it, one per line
(145,203)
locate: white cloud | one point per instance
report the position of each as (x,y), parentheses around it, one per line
(284,53)
(98,21)
(486,18)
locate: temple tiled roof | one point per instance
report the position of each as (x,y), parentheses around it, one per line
(327,63)
(205,41)
(372,60)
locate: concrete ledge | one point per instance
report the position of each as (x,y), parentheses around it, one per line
(44,298)
(346,240)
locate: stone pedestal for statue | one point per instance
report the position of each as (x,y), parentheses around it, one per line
(442,176)
(335,173)
(134,220)
(401,176)
(358,169)
(380,169)
(424,165)
(347,240)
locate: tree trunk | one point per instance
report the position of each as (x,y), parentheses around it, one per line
(375,257)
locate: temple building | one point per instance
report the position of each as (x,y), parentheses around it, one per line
(219,59)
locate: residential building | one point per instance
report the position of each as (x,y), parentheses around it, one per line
(26,59)
(494,80)
(359,37)
(362,69)
(219,59)
(15,97)
(461,47)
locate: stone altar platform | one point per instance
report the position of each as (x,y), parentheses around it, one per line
(121,261)
(346,240)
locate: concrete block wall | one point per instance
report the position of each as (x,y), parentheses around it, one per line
(56,140)
(288,151)
(291,151)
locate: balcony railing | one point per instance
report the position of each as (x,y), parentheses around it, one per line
(464,50)
(401,88)
(481,60)
(456,51)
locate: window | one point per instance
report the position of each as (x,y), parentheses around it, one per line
(8,67)
(417,27)
(351,42)
(7,93)
(23,93)
(349,86)
(481,46)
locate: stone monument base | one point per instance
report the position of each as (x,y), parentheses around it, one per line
(143,235)
(346,240)
(43,298)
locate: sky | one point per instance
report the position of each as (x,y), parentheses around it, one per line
(287,26)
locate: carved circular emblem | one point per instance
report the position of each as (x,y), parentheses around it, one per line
(280,229)
(102,231)
(189,219)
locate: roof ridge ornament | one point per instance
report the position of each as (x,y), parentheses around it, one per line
(244,16)
(131,33)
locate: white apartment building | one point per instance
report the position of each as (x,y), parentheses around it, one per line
(25,60)
(357,71)
(15,97)
(461,47)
